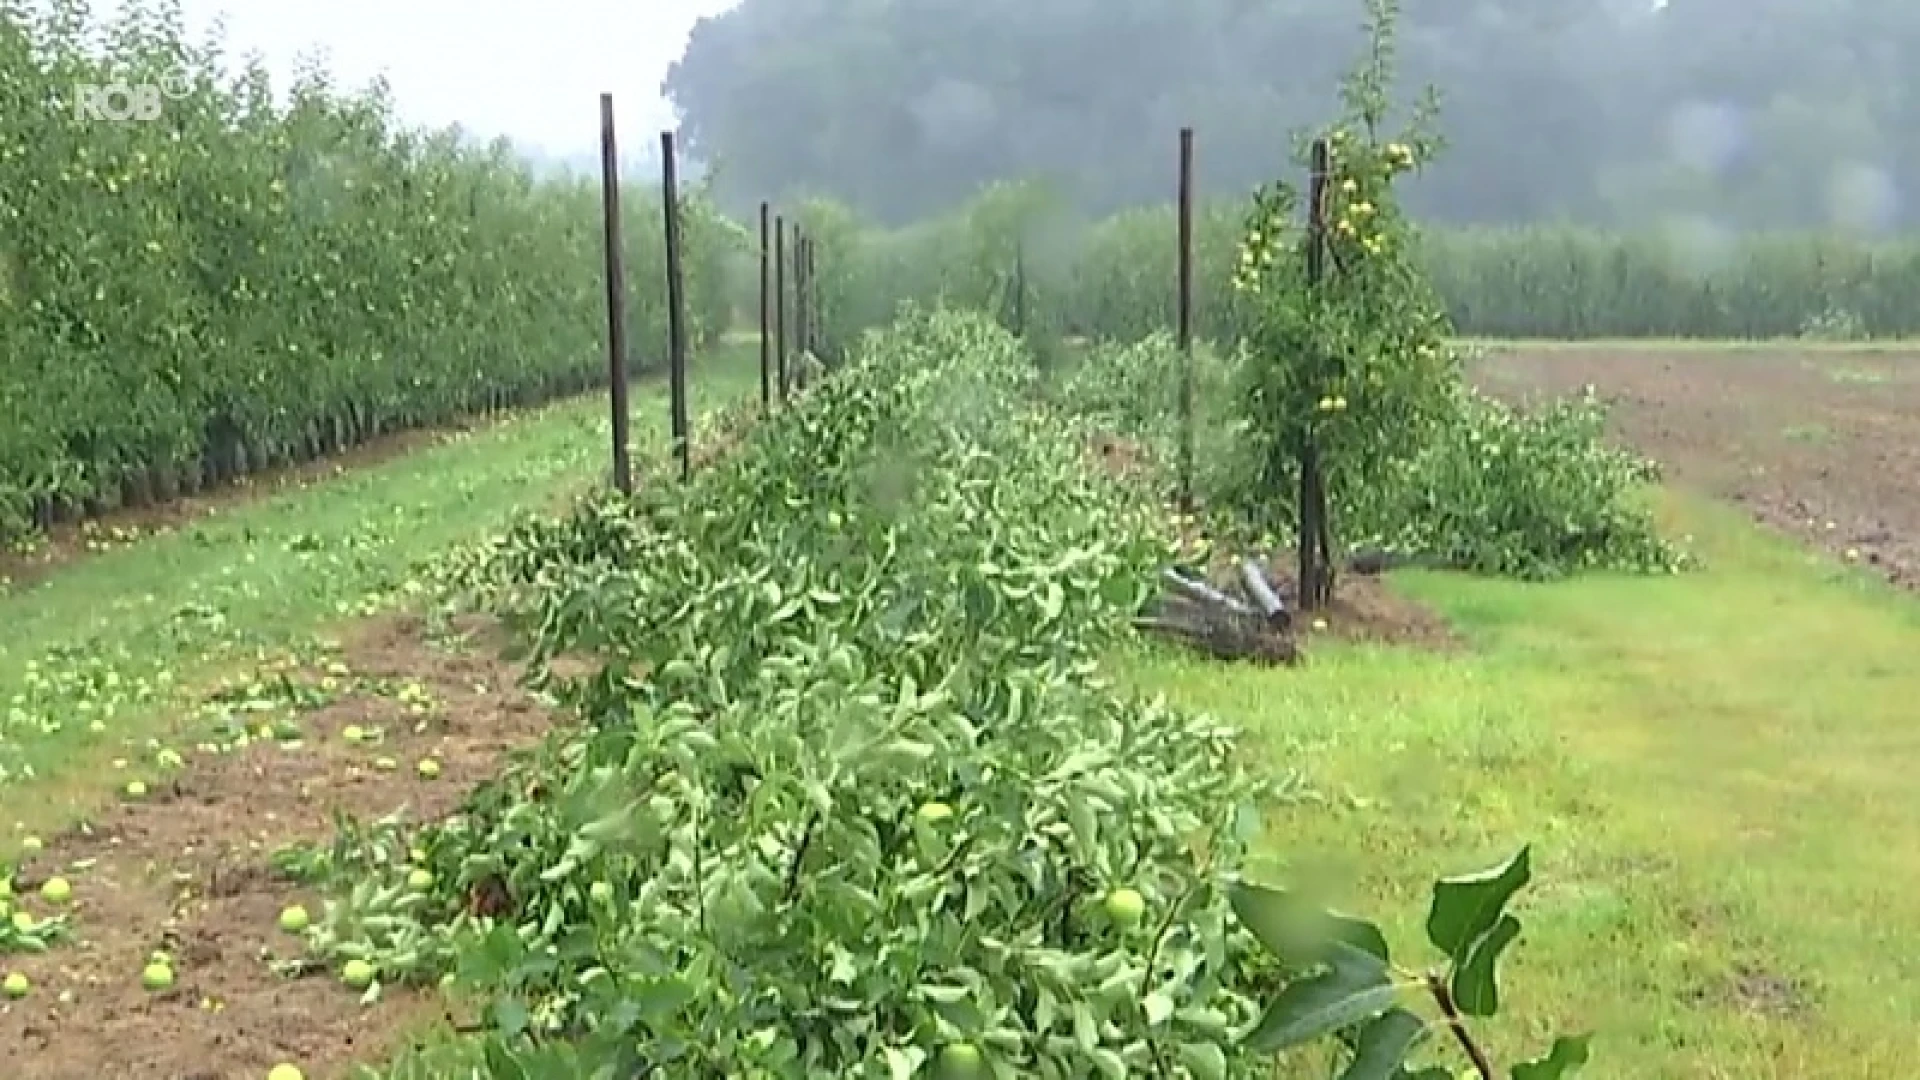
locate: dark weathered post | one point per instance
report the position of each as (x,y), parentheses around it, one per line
(766,308)
(1185,316)
(780,304)
(1316,571)
(676,309)
(616,298)
(803,300)
(1020,289)
(799,285)
(813,287)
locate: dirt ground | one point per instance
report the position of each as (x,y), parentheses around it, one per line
(186,870)
(1365,610)
(1823,444)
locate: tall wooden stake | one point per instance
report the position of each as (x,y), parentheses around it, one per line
(1316,570)
(1186,320)
(813,287)
(780,304)
(1020,289)
(676,309)
(766,309)
(616,298)
(802,304)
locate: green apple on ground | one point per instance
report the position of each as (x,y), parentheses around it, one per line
(157,976)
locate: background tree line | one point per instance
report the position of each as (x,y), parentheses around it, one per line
(1744,113)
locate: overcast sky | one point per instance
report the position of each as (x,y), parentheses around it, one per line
(532,70)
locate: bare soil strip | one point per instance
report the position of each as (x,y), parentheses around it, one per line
(187,871)
(1822,445)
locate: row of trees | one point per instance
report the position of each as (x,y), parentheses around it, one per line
(1114,277)
(239,283)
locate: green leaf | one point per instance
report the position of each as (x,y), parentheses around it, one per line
(902,1064)
(1082,759)
(945,995)
(1206,1061)
(1297,931)
(1467,906)
(1475,989)
(1111,1065)
(1086,1030)
(1384,1045)
(509,1017)
(1085,826)
(502,1062)
(1568,1054)
(902,753)
(1157,1007)
(1354,988)
(1052,601)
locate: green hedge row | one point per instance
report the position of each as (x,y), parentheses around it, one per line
(237,283)
(1114,278)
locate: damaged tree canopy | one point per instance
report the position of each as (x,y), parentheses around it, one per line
(1252,623)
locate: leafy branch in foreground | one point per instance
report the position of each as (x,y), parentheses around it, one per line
(1348,985)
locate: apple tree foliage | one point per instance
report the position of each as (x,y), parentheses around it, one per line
(264,274)
(848,795)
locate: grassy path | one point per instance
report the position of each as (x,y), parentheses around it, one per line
(1715,770)
(94,659)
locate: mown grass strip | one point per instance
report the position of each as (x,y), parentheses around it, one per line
(1715,767)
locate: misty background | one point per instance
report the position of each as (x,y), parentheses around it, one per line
(529,73)
(1734,114)
(1731,115)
